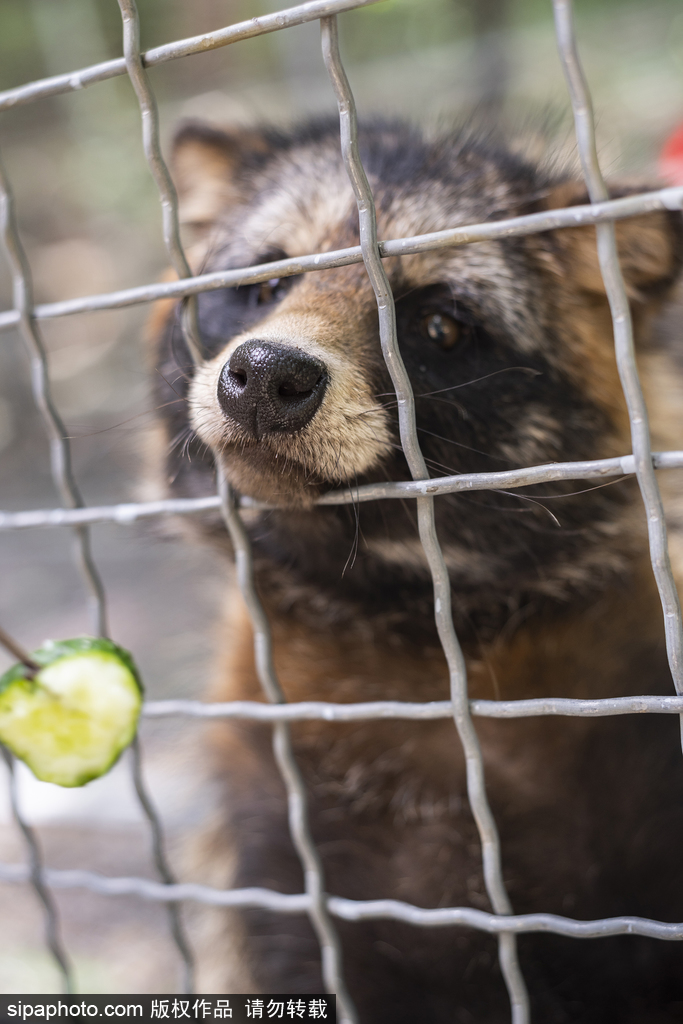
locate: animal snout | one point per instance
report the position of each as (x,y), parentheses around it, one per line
(270,388)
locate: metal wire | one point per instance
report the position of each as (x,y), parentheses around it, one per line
(60,464)
(533,223)
(615,288)
(60,449)
(161,862)
(76,80)
(284,756)
(162,178)
(352,910)
(476,791)
(125,514)
(282,745)
(313,710)
(60,453)
(603,213)
(35,874)
(171,231)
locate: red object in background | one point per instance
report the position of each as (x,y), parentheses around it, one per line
(671,158)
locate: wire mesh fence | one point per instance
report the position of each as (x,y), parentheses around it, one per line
(323,908)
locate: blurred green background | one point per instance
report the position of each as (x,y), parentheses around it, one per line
(90,220)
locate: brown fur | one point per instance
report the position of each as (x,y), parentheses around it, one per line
(590,810)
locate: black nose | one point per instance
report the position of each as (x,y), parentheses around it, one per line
(270,388)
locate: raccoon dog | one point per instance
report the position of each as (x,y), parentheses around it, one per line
(509,348)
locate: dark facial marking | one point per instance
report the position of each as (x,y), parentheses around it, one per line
(229,311)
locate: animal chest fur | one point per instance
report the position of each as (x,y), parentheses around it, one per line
(508,345)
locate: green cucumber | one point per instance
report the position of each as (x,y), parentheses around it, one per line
(70,720)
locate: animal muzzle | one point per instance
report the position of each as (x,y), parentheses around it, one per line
(269,388)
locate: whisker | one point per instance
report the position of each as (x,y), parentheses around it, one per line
(176,337)
(459,444)
(431,463)
(525,497)
(185,450)
(445,401)
(475,380)
(584,490)
(122,423)
(506,369)
(167,381)
(180,438)
(355,505)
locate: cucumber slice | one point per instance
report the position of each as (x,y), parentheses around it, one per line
(71,720)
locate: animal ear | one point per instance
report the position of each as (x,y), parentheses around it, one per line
(650,246)
(208,167)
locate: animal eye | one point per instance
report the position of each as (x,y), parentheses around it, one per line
(441,329)
(271,291)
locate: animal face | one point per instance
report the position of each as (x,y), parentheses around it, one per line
(508,345)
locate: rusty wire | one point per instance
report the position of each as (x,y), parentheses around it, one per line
(603,213)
